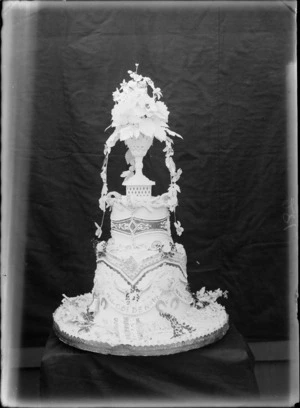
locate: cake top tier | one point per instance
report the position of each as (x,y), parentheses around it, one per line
(139,116)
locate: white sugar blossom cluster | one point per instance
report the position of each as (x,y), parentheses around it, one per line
(209,297)
(138,112)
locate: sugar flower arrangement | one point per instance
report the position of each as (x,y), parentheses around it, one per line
(135,113)
(204,297)
(138,112)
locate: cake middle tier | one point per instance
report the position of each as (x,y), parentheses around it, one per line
(140,226)
(133,281)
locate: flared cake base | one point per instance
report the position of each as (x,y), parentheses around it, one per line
(127,336)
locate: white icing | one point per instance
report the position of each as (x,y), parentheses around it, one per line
(140,295)
(135,331)
(140,208)
(138,226)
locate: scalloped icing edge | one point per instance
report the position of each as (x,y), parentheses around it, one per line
(131,350)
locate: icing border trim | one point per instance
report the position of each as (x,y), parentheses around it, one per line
(131,350)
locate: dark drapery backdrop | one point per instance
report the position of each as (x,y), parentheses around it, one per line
(222,70)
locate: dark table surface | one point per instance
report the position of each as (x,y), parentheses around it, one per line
(224,369)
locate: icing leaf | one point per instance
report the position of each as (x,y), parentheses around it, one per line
(174,133)
(104,189)
(202,291)
(147,127)
(126,173)
(176,176)
(136,132)
(103,175)
(98,232)
(129,157)
(111,141)
(102,202)
(171,165)
(126,133)
(160,134)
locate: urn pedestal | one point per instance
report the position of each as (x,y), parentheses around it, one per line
(138,184)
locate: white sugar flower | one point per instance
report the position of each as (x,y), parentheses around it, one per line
(162,111)
(179,228)
(172,202)
(166,248)
(119,116)
(101,246)
(176,176)
(157,93)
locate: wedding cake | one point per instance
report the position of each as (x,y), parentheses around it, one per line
(140,303)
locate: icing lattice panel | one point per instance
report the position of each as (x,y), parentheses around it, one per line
(135,225)
(138,191)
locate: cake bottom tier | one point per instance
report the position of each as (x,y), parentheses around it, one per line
(159,332)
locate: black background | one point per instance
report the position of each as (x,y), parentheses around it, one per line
(222,70)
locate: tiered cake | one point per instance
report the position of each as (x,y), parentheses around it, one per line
(140,303)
